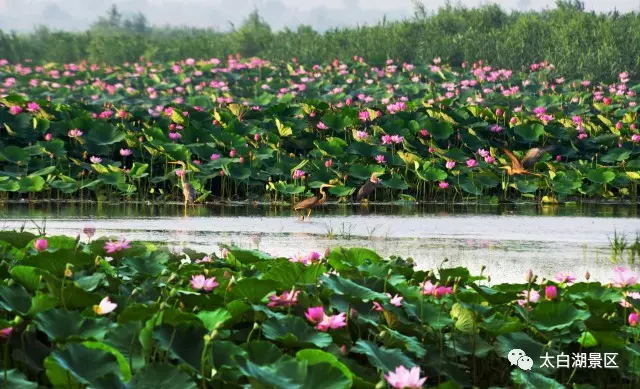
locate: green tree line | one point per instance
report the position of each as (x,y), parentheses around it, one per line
(578,43)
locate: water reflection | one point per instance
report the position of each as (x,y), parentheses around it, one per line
(507,239)
(146,210)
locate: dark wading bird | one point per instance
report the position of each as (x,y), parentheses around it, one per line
(368,187)
(311,202)
(528,161)
(188,191)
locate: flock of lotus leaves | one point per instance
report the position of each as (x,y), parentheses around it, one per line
(251,129)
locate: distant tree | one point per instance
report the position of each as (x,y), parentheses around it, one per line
(567,5)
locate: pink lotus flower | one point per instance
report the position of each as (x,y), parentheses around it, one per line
(75,133)
(551,292)
(450,164)
(15,109)
(298,174)
(362,135)
(332,322)
(328,163)
(495,128)
(635,138)
(215,157)
(287,299)
(633,319)
(322,126)
(41,244)
(623,277)
(112,247)
(380,159)
(257,137)
(89,230)
(95,159)
(200,282)
(179,172)
(386,139)
(104,307)
(125,152)
(428,287)
(489,159)
(32,107)
(396,300)
(472,163)
(232,153)
(443,185)
(377,306)
(48,137)
(442,291)
(424,133)
(6,332)
(566,277)
(315,314)
(403,378)
(364,115)
(483,153)
(174,136)
(528,296)
(397,139)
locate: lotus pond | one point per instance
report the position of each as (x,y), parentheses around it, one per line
(119,314)
(252,129)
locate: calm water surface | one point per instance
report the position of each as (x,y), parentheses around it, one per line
(507,239)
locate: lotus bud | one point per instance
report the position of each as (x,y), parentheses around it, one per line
(482,269)
(242,159)
(587,275)
(343,350)
(488,277)
(206,272)
(173,292)
(499,112)
(529,276)
(382,334)
(327,252)
(633,319)
(17,320)
(68,273)
(381,385)
(256,326)
(257,137)
(213,372)
(207,338)
(163,305)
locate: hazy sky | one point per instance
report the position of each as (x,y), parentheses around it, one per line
(23,15)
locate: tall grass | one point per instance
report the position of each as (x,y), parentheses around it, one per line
(580,44)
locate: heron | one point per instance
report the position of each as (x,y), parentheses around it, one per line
(312,202)
(188,191)
(528,161)
(369,186)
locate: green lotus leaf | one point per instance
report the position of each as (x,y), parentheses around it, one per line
(253,290)
(61,325)
(386,359)
(14,378)
(364,172)
(9,185)
(158,375)
(14,154)
(214,319)
(74,359)
(616,155)
(56,262)
(289,189)
(342,191)
(529,132)
(601,176)
(549,316)
(439,130)
(15,298)
(104,134)
(352,290)
(293,331)
(31,184)
(27,276)
(432,174)
(395,182)
(17,239)
(333,147)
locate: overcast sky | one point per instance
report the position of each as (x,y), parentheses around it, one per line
(23,15)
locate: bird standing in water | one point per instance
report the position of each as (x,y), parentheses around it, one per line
(311,202)
(188,191)
(368,187)
(528,161)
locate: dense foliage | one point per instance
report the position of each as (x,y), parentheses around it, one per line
(579,43)
(269,131)
(117,314)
